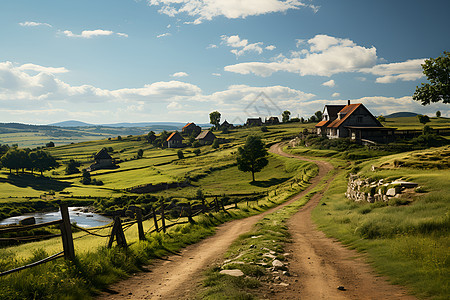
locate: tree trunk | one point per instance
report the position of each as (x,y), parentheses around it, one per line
(253,176)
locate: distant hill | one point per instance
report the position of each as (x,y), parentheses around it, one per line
(401,115)
(71,123)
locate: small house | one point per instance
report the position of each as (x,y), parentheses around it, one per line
(102,161)
(226,125)
(273,121)
(206,137)
(191,129)
(329,114)
(175,140)
(254,122)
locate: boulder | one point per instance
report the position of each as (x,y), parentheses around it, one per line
(391,192)
(277,264)
(233,272)
(405,184)
(28,221)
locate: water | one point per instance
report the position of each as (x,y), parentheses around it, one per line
(76,214)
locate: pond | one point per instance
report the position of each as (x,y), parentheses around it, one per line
(77,214)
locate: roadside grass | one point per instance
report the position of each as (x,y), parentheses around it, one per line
(253,254)
(410,123)
(408,243)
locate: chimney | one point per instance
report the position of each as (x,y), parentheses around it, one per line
(348,102)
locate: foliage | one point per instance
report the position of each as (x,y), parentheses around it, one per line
(381,118)
(197,152)
(285,116)
(437,71)
(423,119)
(264,128)
(180,154)
(26,159)
(318,115)
(50,144)
(72,167)
(86,179)
(140,153)
(214,118)
(252,156)
(438,114)
(215,144)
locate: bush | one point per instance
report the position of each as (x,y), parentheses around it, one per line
(180,154)
(197,152)
(264,129)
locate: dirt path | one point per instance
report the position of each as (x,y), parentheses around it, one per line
(319,265)
(178,276)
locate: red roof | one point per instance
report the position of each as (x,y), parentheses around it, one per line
(173,135)
(187,125)
(322,123)
(347,110)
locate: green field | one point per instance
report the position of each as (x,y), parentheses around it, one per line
(412,123)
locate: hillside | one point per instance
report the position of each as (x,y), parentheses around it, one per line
(401,115)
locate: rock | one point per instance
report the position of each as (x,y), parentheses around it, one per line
(391,192)
(341,288)
(28,221)
(233,272)
(283,284)
(252,246)
(277,264)
(405,184)
(256,236)
(269,255)
(277,278)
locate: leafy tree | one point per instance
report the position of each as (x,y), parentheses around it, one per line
(196,144)
(150,137)
(252,156)
(197,152)
(215,144)
(302,120)
(10,160)
(318,115)
(427,130)
(50,144)
(285,116)
(423,119)
(312,119)
(264,129)
(438,114)
(180,154)
(119,138)
(72,167)
(214,119)
(42,161)
(140,153)
(86,179)
(437,71)
(381,118)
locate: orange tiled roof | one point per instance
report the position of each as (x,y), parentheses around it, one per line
(173,135)
(185,126)
(347,110)
(322,123)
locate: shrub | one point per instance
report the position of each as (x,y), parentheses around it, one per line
(264,129)
(180,154)
(197,152)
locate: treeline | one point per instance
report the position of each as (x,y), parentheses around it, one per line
(26,159)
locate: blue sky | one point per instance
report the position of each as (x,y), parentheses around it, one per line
(178,60)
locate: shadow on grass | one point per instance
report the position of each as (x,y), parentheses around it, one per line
(270,182)
(39,183)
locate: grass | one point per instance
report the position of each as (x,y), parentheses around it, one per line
(410,123)
(408,243)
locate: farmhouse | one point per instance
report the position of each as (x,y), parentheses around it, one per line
(175,140)
(254,122)
(272,121)
(191,129)
(206,137)
(354,121)
(102,161)
(227,125)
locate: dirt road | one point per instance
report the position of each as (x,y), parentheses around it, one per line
(319,265)
(178,276)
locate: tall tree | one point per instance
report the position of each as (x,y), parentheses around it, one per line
(423,119)
(214,118)
(437,71)
(252,156)
(318,115)
(285,116)
(42,161)
(438,114)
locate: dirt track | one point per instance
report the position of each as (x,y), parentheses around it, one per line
(329,263)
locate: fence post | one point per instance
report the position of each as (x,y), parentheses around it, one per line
(66,233)
(203,205)
(113,234)
(140,226)
(163,217)
(223,206)
(155,219)
(190,213)
(120,235)
(216,204)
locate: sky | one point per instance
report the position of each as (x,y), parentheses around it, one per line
(110,61)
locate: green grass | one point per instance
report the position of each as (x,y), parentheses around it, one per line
(408,243)
(410,123)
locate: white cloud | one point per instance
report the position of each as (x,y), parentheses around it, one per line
(37,68)
(327,55)
(164,35)
(87,34)
(335,95)
(34,24)
(212,46)
(217,74)
(180,74)
(329,83)
(409,70)
(270,47)
(235,41)
(203,10)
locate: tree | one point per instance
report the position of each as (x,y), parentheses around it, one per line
(150,137)
(215,144)
(318,115)
(50,144)
(86,177)
(264,129)
(42,161)
(437,71)
(285,116)
(140,153)
(72,167)
(312,119)
(180,154)
(214,118)
(381,118)
(438,114)
(252,156)
(197,152)
(423,119)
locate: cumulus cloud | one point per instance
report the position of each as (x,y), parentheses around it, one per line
(180,74)
(270,47)
(38,68)
(212,46)
(329,83)
(164,35)
(34,24)
(335,95)
(242,46)
(217,74)
(203,10)
(87,34)
(326,55)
